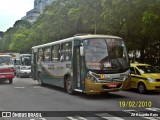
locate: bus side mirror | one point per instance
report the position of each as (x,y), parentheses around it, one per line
(82,50)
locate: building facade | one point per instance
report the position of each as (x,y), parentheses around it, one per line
(39,6)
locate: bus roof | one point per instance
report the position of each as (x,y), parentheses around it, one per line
(80,37)
(96,36)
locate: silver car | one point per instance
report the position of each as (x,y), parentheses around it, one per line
(23,71)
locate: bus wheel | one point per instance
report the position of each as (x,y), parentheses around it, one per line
(69,86)
(141,88)
(10,81)
(40,79)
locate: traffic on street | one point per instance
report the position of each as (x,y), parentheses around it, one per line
(25,95)
(80,60)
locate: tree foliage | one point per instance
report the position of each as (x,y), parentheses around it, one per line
(136,21)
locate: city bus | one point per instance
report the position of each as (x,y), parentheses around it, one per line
(90,64)
(25,59)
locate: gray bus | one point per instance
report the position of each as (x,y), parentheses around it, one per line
(88,63)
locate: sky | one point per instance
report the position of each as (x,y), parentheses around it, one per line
(13,10)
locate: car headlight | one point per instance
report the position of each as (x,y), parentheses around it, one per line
(150,80)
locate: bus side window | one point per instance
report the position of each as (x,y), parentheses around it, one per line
(47,52)
(66,51)
(40,57)
(62,57)
(55,53)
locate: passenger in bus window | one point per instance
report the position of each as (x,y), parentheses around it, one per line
(67,58)
(41,58)
(62,58)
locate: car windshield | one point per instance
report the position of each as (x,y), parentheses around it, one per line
(5,60)
(148,69)
(106,53)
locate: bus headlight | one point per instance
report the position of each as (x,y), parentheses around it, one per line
(125,77)
(128,77)
(150,80)
(91,77)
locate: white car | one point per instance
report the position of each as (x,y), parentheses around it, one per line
(23,71)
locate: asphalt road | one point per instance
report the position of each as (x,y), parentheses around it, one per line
(25,97)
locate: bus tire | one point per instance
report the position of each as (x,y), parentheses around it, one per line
(69,86)
(142,88)
(40,81)
(10,81)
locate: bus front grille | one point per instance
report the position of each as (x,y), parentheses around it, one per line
(111,80)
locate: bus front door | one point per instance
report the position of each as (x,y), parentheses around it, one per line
(77,79)
(34,66)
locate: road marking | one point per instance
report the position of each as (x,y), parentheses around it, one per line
(113,118)
(77,118)
(36,87)
(110,117)
(153,109)
(38,119)
(18,87)
(152,118)
(130,111)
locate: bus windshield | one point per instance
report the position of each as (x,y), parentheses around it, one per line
(105,54)
(5,60)
(26,60)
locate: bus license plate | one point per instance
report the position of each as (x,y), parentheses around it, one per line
(112,85)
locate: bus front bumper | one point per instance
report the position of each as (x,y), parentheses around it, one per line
(97,88)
